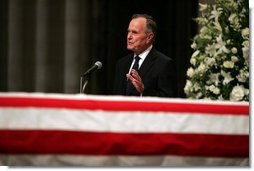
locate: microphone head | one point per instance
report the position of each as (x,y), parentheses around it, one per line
(98,64)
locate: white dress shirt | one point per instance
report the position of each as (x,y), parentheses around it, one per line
(142,57)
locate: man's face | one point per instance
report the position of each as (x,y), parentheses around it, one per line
(137,39)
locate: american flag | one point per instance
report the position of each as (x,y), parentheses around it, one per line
(39,129)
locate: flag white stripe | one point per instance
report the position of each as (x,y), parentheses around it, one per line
(83,160)
(122,98)
(98,120)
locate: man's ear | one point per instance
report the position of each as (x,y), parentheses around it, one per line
(150,36)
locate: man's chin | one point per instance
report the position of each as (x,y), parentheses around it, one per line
(130,48)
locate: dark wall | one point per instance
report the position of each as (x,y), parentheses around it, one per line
(3,44)
(49,59)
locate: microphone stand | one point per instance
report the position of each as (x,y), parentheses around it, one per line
(82,87)
(87,74)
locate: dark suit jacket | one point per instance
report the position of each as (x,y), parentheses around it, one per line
(157,73)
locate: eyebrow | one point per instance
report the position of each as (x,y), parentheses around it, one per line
(134,31)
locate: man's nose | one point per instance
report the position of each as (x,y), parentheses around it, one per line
(129,36)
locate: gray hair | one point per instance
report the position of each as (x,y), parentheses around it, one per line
(151,25)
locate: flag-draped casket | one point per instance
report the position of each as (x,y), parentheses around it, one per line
(85,130)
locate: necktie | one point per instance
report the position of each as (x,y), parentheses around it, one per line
(135,66)
(129,85)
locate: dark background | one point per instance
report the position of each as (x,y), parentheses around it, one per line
(46,45)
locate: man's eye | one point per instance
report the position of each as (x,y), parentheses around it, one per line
(134,32)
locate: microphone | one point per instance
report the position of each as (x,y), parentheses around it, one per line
(97,65)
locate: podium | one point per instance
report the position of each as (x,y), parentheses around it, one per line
(39,129)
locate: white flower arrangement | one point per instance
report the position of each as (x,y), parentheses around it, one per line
(220,62)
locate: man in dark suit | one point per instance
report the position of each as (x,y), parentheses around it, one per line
(146,71)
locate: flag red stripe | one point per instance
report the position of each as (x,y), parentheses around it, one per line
(180,107)
(105,143)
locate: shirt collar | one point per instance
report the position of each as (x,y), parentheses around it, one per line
(145,53)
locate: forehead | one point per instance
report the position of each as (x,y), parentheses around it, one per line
(138,23)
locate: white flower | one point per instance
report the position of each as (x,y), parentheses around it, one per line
(201,68)
(195,53)
(214,79)
(227,29)
(243,76)
(222,49)
(234,21)
(214,90)
(234,50)
(190,72)
(221,45)
(188,87)
(193,61)
(203,30)
(193,57)
(227,77)
(232,17)
(210,49)
(220,42)
(202,20)
(237,93)
(202,7)
(217,25)
(246,92)
(216,13)
(196,87)
(199,95)
(221,97)
(245,49)
(204,33)
(245,33)
(234,59)
(246,52)
(228,64)
(231,4)
(194,45)
(210,61)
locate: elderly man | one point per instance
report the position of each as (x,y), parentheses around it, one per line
(146,71)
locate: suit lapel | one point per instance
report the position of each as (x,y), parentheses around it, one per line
(128,63)
(147,64)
